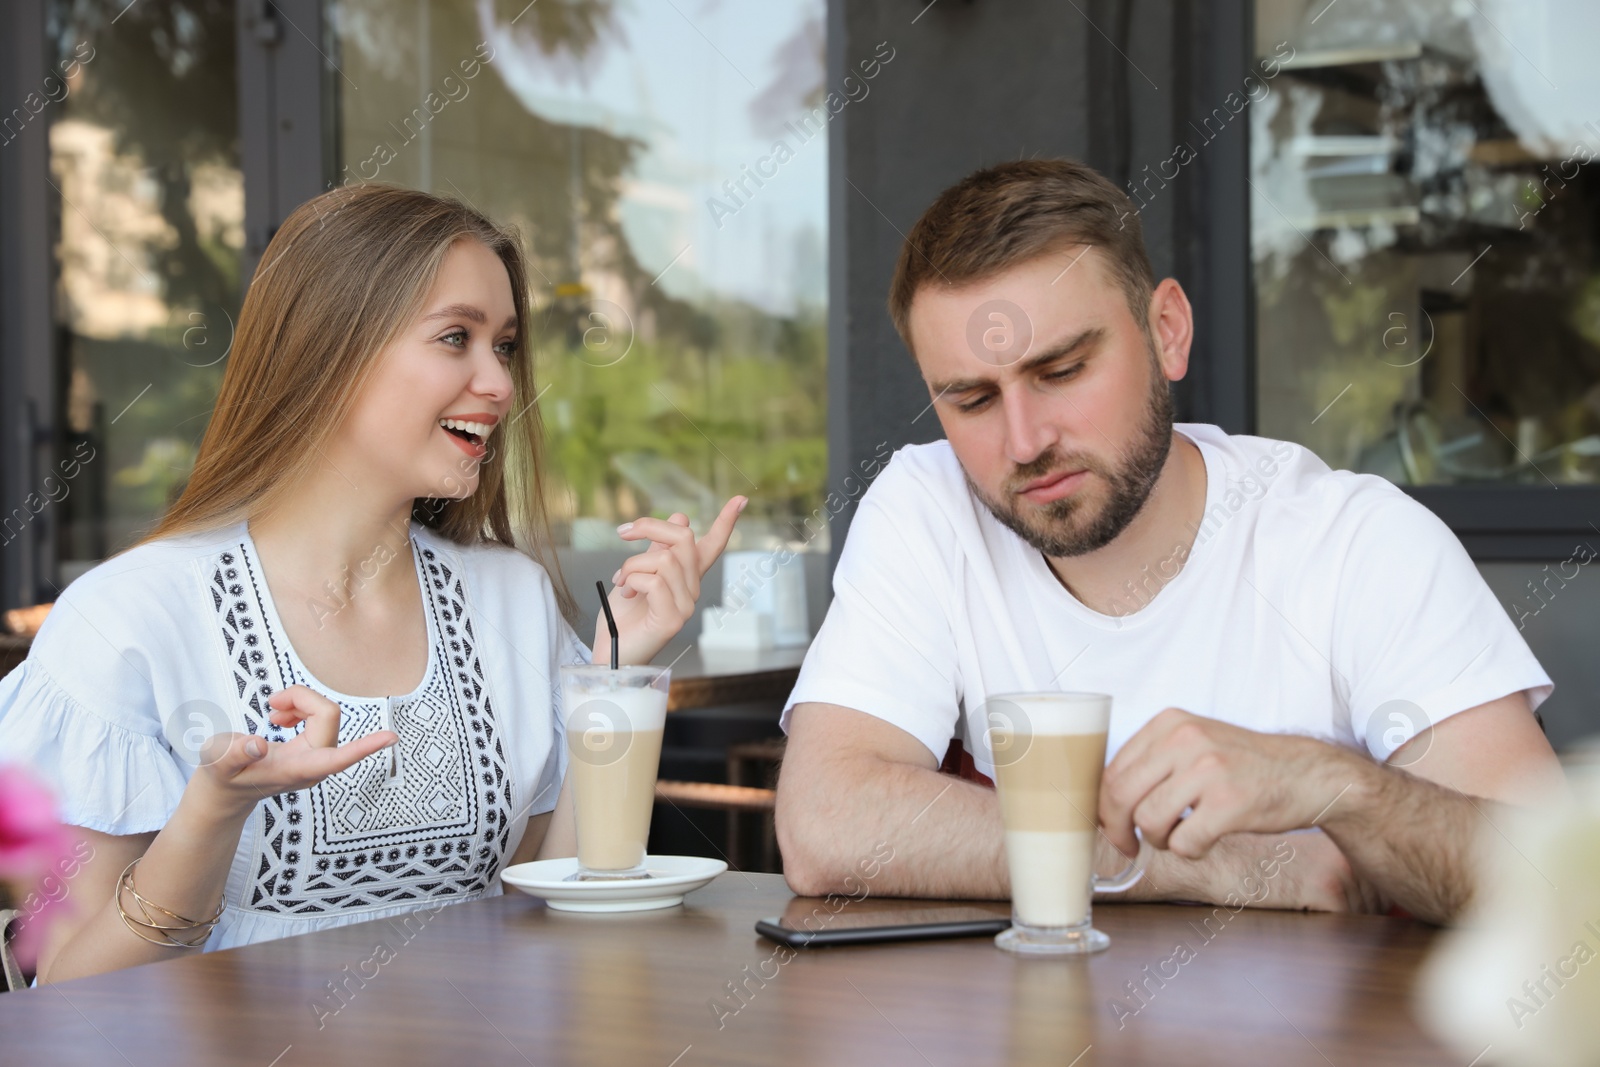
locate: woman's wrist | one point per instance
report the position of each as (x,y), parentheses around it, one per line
(629,653)
(636,656)
(207,806)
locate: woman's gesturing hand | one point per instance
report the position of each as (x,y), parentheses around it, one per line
(247,769)
(655,592)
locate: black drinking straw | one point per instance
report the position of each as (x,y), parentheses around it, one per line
(611,621)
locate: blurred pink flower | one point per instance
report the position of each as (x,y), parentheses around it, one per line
(31,838)
(33,845)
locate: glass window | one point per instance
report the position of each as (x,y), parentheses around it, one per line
(1423,219)
(679,257)
(144,164)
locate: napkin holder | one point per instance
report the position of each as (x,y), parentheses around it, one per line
(763,603)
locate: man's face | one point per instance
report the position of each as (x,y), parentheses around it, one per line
(1052,394)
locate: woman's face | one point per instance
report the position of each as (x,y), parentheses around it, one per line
(431,413)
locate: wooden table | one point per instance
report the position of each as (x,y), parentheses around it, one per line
(707,679)
(507,981)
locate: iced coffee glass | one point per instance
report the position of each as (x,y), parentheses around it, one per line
(1049,750)
(613,723)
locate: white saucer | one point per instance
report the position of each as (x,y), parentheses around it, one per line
(670,878)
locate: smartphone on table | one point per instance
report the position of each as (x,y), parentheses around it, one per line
(813,922)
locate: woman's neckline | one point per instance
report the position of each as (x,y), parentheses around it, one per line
(269,607)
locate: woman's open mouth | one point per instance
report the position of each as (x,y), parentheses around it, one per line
(468,436)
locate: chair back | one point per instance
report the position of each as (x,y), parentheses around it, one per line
(8,960)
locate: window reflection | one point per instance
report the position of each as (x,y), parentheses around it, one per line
(681,346)
(1423,234)
(149,226)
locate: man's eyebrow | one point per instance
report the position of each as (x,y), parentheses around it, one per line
(465,311)
(1086,339)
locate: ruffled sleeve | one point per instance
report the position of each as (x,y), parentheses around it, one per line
(118,777)
(85,710)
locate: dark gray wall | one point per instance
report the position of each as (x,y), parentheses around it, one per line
(27,379)
(286,147)
(1559,620)
(963,90)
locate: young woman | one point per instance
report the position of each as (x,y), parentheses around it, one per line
(321,691)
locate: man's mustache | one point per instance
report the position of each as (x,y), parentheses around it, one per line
(1049,462)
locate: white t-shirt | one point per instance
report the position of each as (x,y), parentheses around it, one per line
(149,653)
(1310,600)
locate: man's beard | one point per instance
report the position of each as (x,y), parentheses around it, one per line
(1052,529)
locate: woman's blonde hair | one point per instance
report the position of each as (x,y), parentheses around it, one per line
(345,273)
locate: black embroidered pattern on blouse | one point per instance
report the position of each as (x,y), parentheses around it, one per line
(366,837)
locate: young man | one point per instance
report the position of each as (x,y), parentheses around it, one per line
(1279,639)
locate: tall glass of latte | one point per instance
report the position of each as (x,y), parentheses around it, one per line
(614,719)
(1049,750)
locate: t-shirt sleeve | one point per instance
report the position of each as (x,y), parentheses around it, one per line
(81,713)
(1418,635)
(886,647)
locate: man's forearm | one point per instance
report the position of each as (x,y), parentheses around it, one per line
(836,813)
(1416,841)
(948,840)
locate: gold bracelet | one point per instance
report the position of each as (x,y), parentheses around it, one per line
(199,930)
(165,933)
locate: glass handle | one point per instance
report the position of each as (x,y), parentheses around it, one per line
(1129,877)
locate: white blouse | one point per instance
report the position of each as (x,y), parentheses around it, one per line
(151,652)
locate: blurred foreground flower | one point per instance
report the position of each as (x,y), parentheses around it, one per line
(34,847)
(1518,982)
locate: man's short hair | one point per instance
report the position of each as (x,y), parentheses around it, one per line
(999,217)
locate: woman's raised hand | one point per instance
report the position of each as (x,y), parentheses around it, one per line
(655,592)
(247,769)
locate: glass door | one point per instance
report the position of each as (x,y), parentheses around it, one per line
(148,214)
(665,164)
(1424,224)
